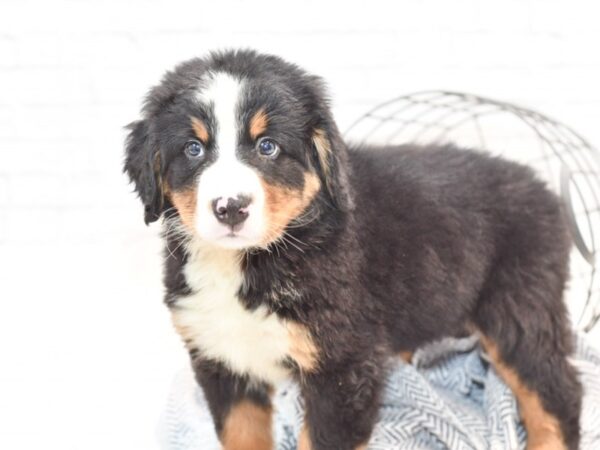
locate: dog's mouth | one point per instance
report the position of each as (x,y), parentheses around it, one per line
(234,230)
(233,234)
(234,237)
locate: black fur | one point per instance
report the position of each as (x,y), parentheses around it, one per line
(223,389)
(407,245)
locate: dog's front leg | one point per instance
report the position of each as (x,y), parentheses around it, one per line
(240,407)
(341,406)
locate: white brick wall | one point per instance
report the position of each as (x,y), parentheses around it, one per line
(89,344)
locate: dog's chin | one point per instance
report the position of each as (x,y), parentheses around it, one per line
(236,243)
(233,240)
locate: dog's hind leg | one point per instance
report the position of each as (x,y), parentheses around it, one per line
(525,330)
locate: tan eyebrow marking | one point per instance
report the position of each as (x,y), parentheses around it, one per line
(200,129)
(258,123)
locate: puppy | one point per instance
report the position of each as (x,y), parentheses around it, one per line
(290,253)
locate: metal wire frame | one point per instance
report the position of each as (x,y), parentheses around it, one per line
(566,160)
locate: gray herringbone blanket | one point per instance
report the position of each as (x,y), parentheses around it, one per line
(449,398)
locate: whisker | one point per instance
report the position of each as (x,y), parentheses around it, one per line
(174,229)
(285,238)
(168,210)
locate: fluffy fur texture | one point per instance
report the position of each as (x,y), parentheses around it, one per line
(292,254)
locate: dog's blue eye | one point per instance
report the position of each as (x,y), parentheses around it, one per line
(194,149)
(267,147)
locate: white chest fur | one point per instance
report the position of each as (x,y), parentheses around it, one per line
(213,320)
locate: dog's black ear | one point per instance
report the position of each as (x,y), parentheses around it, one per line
(142,165)
(332,161)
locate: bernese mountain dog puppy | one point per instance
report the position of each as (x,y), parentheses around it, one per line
(290,253)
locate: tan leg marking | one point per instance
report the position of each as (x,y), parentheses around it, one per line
(302,347)
(200,129)
(185,203)
(304,439)
(406,356)
(543,429)
(247,427)
(283,204)
(258,123)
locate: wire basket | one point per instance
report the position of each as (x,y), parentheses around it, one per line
(569,164)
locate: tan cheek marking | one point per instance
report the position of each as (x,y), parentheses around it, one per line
(543,429)
(200,129)
(406,356)
(302,347)
(185,203)
(247,427)
(285,204)
(258,123)
(311,187)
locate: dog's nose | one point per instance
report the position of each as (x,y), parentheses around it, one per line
(231,211)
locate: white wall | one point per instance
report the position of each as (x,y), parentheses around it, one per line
(87,348)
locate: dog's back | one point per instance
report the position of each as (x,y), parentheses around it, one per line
(456,239)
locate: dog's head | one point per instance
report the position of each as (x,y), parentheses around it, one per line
(240,144)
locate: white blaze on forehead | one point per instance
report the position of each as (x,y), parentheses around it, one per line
(227,177)
(223,93)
